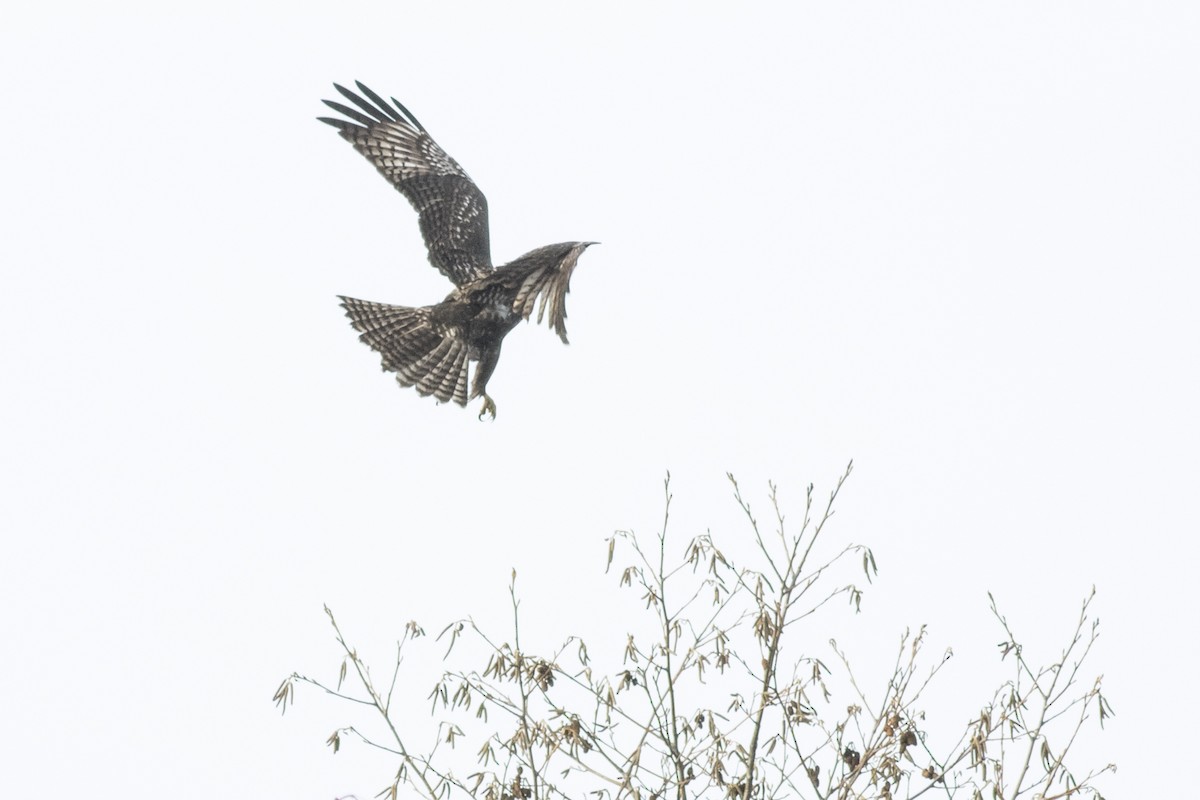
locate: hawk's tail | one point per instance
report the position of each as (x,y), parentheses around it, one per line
(412,348)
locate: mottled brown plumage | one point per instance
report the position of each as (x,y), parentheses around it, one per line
(431,347)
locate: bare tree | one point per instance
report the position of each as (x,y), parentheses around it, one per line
(719,695)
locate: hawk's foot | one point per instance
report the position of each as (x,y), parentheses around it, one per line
(488,407)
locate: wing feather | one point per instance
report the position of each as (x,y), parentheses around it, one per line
(451,208)
(541,280)
(378,112)
(342,108)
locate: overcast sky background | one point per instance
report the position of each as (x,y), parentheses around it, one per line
(956,242)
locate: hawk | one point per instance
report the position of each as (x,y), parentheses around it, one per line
(431,347)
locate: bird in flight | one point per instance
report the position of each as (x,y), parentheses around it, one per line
(431,347)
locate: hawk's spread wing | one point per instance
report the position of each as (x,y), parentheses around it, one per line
(453,212)
(544,273)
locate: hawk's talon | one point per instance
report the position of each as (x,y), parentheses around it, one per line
(488,407)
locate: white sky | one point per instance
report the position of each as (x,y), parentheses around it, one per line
(956,242)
